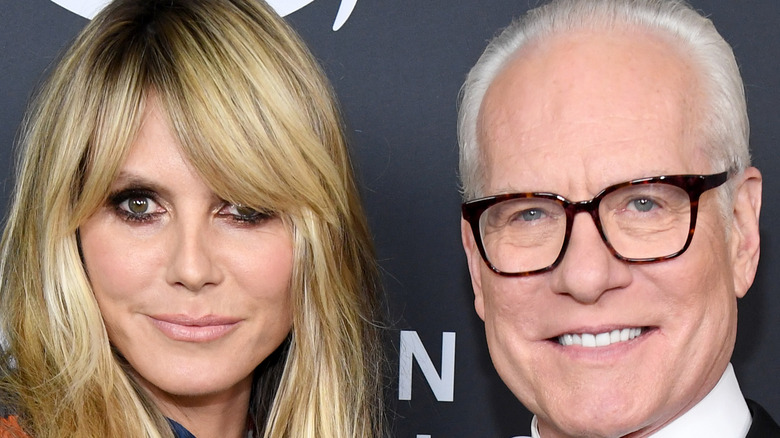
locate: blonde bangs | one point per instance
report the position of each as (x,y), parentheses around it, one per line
(114,133)
(95,102)
(247,118)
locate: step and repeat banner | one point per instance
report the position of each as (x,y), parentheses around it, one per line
(397,66)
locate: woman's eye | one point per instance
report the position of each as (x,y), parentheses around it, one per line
(135,206)
(138,207)
(243,213)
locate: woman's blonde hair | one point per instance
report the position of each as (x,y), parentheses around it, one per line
(256,117)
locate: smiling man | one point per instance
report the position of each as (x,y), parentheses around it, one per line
(611,220)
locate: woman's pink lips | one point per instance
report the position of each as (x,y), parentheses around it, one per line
(188,329)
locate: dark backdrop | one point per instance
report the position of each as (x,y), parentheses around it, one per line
(397,67)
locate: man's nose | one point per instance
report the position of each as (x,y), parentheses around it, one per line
(588,268)
(192,260)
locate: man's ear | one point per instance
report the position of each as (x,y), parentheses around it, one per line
(475,264)
(745,240)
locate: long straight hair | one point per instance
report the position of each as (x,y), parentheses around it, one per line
(257,119)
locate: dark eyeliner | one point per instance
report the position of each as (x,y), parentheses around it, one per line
(116,199)
(254,218)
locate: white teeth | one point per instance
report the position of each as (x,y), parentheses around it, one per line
(602,340)
(599,339)
(588,340)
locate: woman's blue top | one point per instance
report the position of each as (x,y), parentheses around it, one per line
(179,430)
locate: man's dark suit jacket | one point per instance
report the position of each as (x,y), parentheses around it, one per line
(763,425)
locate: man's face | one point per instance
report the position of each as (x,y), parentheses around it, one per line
(572,116)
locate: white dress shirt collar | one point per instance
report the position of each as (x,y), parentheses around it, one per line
(723,413)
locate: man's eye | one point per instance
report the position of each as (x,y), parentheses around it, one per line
(531,214)
(522,217)
(642,205)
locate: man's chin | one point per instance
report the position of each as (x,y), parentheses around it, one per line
(611,413)
(583,427)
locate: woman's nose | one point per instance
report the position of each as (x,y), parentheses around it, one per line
(192,260)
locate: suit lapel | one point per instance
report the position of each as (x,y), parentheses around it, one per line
(763,425)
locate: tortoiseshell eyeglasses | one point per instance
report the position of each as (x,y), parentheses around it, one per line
(640,221)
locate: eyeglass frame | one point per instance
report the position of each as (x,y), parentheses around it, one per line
(693,185)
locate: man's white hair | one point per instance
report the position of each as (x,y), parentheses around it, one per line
(724,118)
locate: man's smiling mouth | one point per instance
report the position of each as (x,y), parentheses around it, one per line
(604,339)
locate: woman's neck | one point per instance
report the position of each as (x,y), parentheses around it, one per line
(218,415)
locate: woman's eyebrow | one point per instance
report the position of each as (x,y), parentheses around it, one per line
(129,180)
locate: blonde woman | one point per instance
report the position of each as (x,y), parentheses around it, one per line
(185,254)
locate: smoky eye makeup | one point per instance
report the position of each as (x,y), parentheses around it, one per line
(139,202)
(135,204)
(244,215)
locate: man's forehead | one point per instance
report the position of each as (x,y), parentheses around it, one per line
(586,99)
(570,70)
